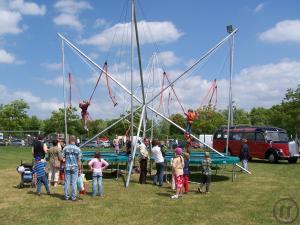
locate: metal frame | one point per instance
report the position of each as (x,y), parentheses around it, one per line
(144,104)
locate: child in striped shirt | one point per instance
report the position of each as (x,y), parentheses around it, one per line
(40,171)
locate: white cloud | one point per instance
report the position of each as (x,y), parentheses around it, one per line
(38,106)
(9,22)
(168,58)
(27,96)
(57,81)
(259,7)
(100,23)
(68,13)
(68,20)
(71,7)
(27,8)
(51,66)
(284,31)
(103,39)
(6,57)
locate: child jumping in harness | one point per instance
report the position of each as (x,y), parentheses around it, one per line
(84,113)
(190,117)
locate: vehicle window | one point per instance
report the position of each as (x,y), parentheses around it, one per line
(235,136)
(249,136)
(218,136)
(260,137)
(277,136)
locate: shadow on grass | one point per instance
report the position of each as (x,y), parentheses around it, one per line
(197,177)
(261,161)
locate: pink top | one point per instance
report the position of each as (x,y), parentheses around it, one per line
(98,165)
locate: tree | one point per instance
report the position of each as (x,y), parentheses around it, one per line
(56,124)
(178,119)
(260,116)
(13,116)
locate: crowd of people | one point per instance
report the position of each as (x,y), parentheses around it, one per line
(65,165)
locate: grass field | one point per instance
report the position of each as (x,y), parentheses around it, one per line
(248,200)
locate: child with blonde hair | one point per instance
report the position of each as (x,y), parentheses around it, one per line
(177,168)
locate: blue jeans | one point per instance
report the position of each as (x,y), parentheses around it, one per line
(71,176)
(245,164)
(39,182)
(189,128)
(97,184)
(159,173)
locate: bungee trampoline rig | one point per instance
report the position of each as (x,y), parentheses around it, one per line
(145,105)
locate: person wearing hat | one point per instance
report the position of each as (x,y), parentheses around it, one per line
(244,153)
(40,171)
(177,168)
(206,169)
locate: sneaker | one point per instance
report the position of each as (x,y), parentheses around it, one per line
(48,193)
(174,196)
(39,194)
(74,199)
(199,190)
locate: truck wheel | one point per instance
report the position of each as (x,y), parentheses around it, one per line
(272,158)
(293,160)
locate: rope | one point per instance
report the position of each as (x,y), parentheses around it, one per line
(112,97)
(174,92)
(105,64)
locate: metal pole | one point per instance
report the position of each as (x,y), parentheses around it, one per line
(135,146)
(230,113)
(131,73)
(140,62)
(64,91)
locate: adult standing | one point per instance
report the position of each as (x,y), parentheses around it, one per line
(71,156)
(159,162)
(39,148)
(244,153)
(143,162)
(54,153)
(116,145)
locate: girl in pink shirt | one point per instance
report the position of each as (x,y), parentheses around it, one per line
(97,165)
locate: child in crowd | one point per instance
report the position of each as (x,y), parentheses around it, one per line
(206,166)
(186,171)
(177,168)
(190,117)
(40,171)
(97,165)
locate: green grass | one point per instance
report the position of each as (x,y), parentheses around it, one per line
(247,200)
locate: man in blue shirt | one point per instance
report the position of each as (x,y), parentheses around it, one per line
(71,156)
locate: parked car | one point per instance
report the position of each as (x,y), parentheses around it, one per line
(17,142)
(2,143)
(104,144)
(91,144)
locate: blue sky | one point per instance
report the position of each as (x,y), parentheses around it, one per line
(266,55)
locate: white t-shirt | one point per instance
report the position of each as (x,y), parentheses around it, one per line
(157,155)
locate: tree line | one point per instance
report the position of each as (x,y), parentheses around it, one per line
(14,117)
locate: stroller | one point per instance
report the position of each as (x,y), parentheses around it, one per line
(25,170)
